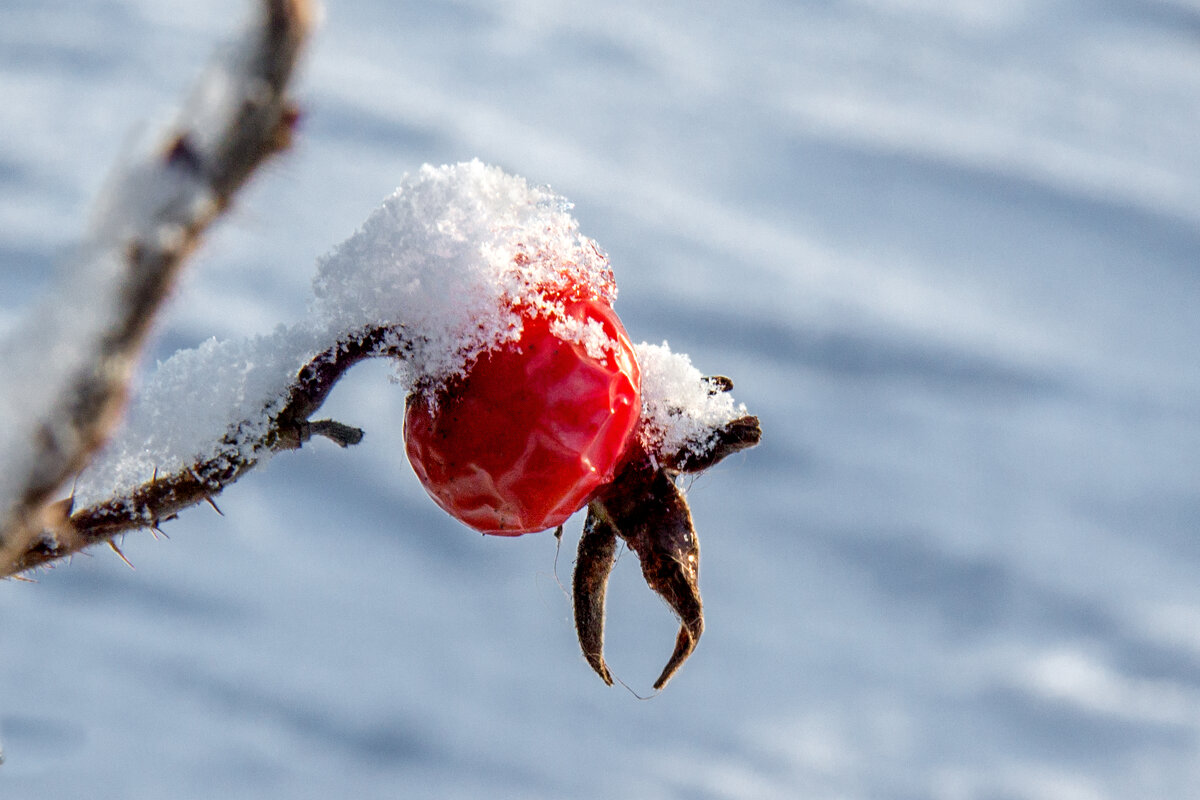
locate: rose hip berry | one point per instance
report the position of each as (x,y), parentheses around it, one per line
(533,429)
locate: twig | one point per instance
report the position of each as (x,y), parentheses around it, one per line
(161,498)
(163,209)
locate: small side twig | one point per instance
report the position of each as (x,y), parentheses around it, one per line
(336,432)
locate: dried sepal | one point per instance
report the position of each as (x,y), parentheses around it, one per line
(739,434)
(593,564)
(645,508)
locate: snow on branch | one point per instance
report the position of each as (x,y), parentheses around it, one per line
(65,370)
(445,270)
(433,279)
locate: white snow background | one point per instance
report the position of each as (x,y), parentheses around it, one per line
(946,250)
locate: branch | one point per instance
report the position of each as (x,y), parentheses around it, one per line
(67,531)
(163,496)
(435,277)
(156,215)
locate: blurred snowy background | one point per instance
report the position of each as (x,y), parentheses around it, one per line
(945,248)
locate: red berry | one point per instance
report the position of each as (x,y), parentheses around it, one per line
(533,429)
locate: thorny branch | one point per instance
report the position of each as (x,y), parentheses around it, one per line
(162,497)
(204,165)
(643,505)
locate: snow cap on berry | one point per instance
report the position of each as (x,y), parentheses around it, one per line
(452,255)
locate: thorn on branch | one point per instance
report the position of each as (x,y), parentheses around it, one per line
(121,555)
(180,153)
(289,120)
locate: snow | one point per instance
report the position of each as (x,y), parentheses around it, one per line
(451,260)
(681,410)
(450,256)
(181,416)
